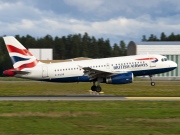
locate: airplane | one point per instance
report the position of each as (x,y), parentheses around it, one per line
(113,70)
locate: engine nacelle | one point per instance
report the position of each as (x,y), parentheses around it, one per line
(121,78)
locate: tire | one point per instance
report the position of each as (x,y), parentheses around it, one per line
(152,83)
(98,89)
(93,88)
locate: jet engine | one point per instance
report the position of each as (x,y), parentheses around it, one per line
(121,78)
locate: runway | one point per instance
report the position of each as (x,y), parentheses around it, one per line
(85,98)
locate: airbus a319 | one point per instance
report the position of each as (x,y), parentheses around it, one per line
(114,70)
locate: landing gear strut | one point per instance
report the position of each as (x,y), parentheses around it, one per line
(96,88)
(152,83)
(93,88)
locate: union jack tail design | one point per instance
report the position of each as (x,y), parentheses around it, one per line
(20,56)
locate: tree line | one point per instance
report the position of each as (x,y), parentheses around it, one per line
(163,37)
(66,47)
(77,45)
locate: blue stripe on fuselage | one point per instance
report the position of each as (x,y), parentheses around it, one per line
(152,71)
(86,78)
(69,79)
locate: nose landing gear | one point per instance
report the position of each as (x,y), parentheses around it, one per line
(152,83)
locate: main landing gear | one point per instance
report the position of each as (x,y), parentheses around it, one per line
(96,88)
(152,83)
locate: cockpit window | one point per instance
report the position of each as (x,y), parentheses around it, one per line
(164,59)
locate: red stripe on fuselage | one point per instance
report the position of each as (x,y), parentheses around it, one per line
(146,59)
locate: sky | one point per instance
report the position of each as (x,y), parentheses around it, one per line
(115,20)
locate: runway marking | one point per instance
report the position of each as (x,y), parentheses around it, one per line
(86,98)
(154,98)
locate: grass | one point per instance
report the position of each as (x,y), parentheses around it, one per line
(138,88)
(90,118)
(12,79)
(99,118)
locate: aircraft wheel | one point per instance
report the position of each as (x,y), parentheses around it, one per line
(152,83)
(93,88)
(98,89)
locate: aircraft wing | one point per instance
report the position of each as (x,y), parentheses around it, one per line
(95,73)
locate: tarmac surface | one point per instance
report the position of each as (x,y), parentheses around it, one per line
(86,98)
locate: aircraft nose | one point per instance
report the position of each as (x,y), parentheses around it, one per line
(173,64)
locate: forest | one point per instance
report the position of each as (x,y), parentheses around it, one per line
(77,45)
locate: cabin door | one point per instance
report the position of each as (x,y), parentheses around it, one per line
(44,72)
(153,61)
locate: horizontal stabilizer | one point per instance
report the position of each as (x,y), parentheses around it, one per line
(21,72)
(12,72)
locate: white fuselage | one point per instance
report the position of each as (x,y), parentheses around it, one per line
(72,71)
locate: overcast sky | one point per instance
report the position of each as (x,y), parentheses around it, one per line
(110,19)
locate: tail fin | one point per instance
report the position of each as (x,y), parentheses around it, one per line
(20,56)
